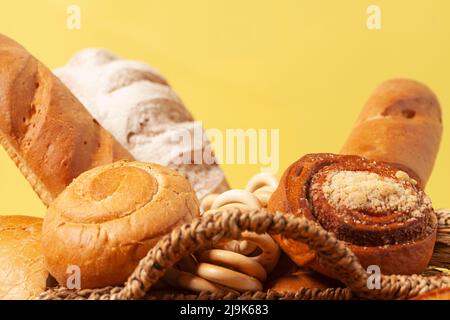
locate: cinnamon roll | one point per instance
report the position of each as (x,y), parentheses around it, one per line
(381,212)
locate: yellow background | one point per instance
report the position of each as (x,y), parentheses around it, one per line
(305,67)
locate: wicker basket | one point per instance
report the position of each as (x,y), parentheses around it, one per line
(230,223)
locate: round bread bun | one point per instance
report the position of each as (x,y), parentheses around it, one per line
(108,218)
(395,233)
(22,269)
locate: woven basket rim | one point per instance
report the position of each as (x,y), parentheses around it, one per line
(230,223)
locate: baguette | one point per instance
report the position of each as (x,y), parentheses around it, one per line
(401,123)
(48,133)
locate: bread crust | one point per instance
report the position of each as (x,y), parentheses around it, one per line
(107,220)
(401,123)
(22,269)
(48,133)
(409,241)
(438,294)
(302,278)
(135,103)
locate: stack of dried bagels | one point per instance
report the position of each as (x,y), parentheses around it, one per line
(106,210)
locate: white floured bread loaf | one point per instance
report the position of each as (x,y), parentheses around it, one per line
(136,104)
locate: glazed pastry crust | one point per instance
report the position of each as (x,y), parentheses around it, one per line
(400,242)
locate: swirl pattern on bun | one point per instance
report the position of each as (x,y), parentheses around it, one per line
(110,216)
(381,212)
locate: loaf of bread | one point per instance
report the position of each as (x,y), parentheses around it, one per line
(108,218)
(47,132)
(22,269)
(135,103)
(401,123)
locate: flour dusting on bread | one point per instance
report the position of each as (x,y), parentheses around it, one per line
(135,103)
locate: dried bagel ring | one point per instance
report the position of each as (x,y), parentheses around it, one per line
(227,277)
(234,261)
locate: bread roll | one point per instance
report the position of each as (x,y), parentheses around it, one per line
(135,103)
(22,268)
(401,123)
(107,220)
(376,209)
(50,136)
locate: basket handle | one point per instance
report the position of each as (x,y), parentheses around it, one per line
(230,223)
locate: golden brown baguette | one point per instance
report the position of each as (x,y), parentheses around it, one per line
(401,123)
(48,133)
